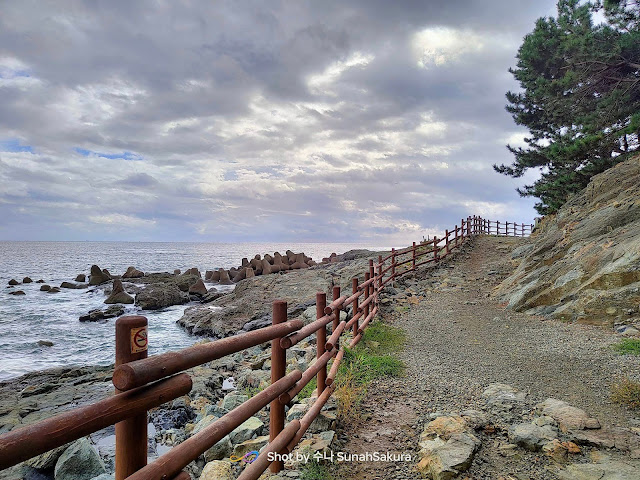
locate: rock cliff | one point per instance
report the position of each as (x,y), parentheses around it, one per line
(583,263)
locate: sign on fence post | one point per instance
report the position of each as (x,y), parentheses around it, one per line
(278,368)
(131,434)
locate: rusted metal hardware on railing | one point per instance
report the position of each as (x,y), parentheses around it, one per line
(143,383)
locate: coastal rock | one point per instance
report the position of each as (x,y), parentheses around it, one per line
(17,292)
(249,273)
(603,470)
(97,276)
(255,444)
(160,296)
(198,288)
(53,290)
(530,436)
(81,277)
(177,271)
(40,281)
(584,265)
(247,430)
(233,400)
(48,459)
(133,272)
(79,462)
(208,275)
(118,294)
(220,450)
(13,282)
(27,280)
(73,286)
(97,315)
(217,470)
(45,343)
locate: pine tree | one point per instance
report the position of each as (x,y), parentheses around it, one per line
(580,98)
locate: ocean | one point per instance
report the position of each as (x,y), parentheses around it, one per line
(24,320)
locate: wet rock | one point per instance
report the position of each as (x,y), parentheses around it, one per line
(45,343)
(45,288)
(17,292)
(212,294)
(198,288)
(177,416)
(97,276)
(40,281)
(79,462)
(568,417)
(133,272)
(13,282)
(160,296)
(81,278)
(73,286)
(217,470)
(118,294)
(27,280)
(530,436)
(97,315)
(54,290)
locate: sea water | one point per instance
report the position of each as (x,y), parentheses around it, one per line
(24,320)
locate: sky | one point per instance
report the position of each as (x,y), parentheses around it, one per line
(347,121)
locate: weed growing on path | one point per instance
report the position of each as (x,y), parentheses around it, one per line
(626,392)
(628,346)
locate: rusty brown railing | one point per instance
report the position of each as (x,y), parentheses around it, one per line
(142,382)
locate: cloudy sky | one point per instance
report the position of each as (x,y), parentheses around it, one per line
(365,120)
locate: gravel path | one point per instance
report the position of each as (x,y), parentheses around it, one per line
(459,341)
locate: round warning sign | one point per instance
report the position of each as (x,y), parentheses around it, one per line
(138,339)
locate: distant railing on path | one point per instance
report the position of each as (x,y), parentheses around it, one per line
(142,383)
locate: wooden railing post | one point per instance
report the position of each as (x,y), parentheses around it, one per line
(393,265)
(446,242)
(321,340)
(498,228)
(435,249)
(468,226)
(354,289)
(131,434)
(413,260)
(367,291)
(456,237)
(335,296)
(379,271)
(278,369)
(371,273)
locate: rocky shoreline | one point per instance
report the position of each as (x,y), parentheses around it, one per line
(217,387)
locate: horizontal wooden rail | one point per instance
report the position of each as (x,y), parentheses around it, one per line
(334,366)
(333,339)
(304,332)
(310,416)
(26,442)
(172,462)
(141,372)
(367,320)
(307,376)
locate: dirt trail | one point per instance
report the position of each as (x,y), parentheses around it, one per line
(459,341)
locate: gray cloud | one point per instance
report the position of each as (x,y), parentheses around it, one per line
(360,120)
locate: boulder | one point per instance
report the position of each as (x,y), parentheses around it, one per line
(224,277)
(193,271)
(445,460)
(220,450)
(27,280)
(161,295)
(40,281)
(240,275)
(73,286)
(249,429)
(530,436)
(177,271)
(216,276)
(208,275)
(233,400)
(17,292)
(97,315)
(255,444)
(133,272)
(45,343)
(45,288)
(217,470)
(198,288)
(80,461)
(118,294)
(568,417)
(53,290)
(13,282)
(48,459)
(97,276)
(81,277)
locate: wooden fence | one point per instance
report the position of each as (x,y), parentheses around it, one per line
(142,383)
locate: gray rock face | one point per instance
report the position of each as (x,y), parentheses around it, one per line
(81,278)
(79,462)
(446,459)
(198,288)
(97,276)
(252,427)
(97,315)
(73,286)
(584,264)
(568,417)
(133,272)
(118,294)
(45,288)
(220,450)
(161,295)
(605,470)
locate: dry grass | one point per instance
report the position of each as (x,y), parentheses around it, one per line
(626,392)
